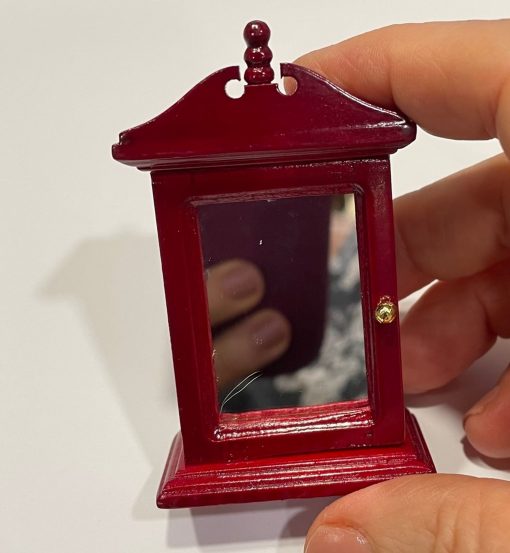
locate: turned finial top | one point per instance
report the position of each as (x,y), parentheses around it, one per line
(258,55)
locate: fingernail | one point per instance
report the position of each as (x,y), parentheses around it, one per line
(480,407)
(330,539)
(269,332)
(240,282)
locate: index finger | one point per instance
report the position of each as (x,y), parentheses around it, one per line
(452,78)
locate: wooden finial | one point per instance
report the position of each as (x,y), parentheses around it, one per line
(258,55)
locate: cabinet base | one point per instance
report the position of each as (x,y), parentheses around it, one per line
(330,473)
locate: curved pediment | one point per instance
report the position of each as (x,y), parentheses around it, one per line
(320,121)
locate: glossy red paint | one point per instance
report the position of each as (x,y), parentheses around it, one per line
(211,148)
(327,473)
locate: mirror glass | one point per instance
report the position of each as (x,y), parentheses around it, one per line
(283,288)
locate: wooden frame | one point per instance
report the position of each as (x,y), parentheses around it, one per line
(268,150)
(379,421)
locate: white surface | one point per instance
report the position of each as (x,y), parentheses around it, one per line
(87,397)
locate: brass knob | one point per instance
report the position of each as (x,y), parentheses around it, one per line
(386,311)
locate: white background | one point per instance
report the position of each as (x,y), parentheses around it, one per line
(87,404)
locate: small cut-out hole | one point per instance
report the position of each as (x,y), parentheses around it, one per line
(234,89)
(287,86)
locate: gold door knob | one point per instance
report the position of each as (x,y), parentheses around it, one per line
(386,311)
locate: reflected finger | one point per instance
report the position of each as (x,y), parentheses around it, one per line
(250,345)
(233,288)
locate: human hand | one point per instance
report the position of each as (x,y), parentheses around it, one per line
(453,79)
(234,288)
(419,514)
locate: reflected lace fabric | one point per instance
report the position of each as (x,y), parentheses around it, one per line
(338,374)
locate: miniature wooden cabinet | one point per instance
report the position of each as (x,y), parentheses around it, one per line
(263,179)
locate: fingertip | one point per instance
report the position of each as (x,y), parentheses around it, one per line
(444,75)
(351,521)
(250,345)
(486,423)
(242,279)
(394,514)
(271,332)
(437,344)
(333,539)
(483,440)
(233,287)
(503,117)
(425,344)
(419,371)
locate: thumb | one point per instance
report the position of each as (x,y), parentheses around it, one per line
(417,514)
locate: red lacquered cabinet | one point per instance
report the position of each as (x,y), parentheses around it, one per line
(264,170)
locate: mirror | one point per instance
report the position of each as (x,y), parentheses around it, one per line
(283,289)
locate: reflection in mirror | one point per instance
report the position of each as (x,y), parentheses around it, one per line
(282,279)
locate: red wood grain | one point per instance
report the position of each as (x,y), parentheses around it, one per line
(334,473)
(210,148)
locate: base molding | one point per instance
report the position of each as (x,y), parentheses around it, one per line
(329,473)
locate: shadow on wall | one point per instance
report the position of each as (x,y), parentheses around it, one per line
(116,282)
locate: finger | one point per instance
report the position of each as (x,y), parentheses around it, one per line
(233,288)
(453,324)
(417,514)
(455,227)
(452,78)
(250,345)
(486,424)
